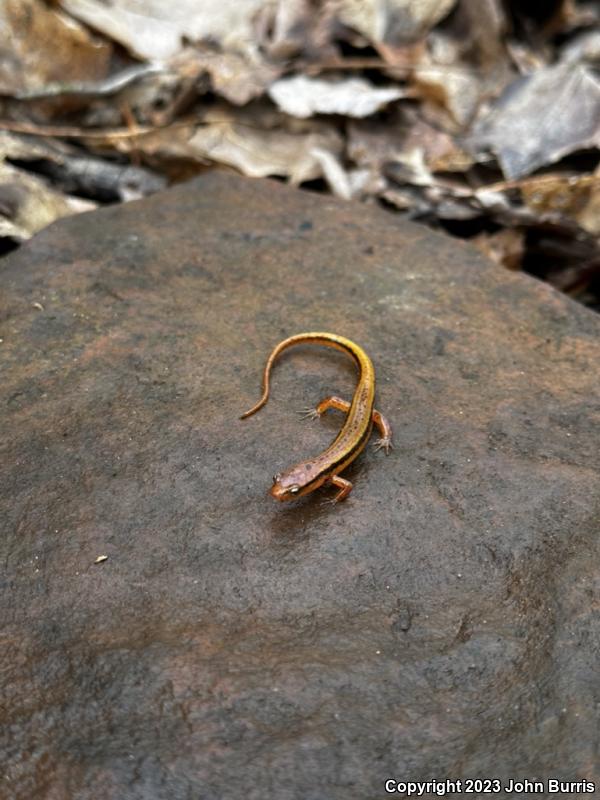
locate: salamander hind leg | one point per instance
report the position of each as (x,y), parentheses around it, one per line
(325,405)
(332,402)
(343,485)
(385,429)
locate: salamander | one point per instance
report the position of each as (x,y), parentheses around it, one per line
(361,415)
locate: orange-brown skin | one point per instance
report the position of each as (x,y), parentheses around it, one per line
(308,475)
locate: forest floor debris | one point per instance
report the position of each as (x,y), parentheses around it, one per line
(477,117)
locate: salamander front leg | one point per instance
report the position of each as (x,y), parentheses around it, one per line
(325,405)
(381,423)
(343,485)
(384,428)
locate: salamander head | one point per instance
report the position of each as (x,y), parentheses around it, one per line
(297,481)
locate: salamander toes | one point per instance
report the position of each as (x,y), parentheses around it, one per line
(309,413)
(385,443)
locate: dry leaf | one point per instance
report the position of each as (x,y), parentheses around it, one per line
(487,24)
(111,85)
(334,173)
(288,28)
(28,204)
(257,143)
(374,142)
(506,247)
(40,46)
(77,173)
(155,30)
(260,153)
(441,153)
(585,47)
(542,118)
(29,147)
(445,82)
(458,91)
(394,21)
(448,57)
(303,97)
(589,217)
(235,77)
(573,196)
(409,167)
(408,199)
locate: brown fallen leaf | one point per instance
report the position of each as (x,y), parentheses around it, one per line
(41,46)
(456,90)
(487,25)
(505,247)
(563,195)
(258,142)
(589,216)
(556,194)
(568,15)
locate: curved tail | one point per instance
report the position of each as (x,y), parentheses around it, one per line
(327,339)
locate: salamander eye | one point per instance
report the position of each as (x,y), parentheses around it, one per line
(294,489)
(276,477)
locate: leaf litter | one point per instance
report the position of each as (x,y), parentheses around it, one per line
(477,117)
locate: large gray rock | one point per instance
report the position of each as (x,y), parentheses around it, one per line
(441,623)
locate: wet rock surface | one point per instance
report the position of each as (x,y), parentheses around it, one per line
(441,623)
